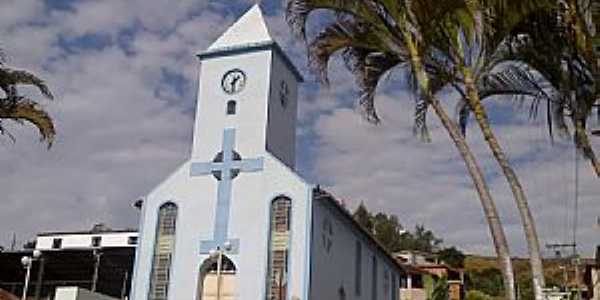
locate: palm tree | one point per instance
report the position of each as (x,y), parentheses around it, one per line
(19,108)
(376,37)
(465,46)
(552,60)
(548,55)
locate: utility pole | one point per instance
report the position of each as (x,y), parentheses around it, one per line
(97,256)
(558,248)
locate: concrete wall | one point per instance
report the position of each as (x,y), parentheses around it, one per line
(83,241)
(333,272)
(75,293)
(413,294)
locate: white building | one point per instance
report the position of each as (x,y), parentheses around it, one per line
(239,198)
(81,240)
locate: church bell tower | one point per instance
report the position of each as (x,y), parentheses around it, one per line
(247,94)
(220,206)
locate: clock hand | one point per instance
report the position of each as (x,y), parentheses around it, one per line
(235,80)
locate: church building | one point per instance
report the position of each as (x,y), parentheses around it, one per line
(236,221)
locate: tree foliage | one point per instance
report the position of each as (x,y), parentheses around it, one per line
(440,289)
(477,295)
(488,281)
(388,230)
(452,257)
(21,109)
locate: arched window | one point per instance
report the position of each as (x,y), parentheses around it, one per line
(164,247)
(279,241)
(231,107)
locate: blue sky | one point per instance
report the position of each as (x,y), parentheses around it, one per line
(125,78)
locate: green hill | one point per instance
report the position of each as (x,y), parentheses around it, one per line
(482,274)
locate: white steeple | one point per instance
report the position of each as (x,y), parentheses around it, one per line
(249,29)
(250,86)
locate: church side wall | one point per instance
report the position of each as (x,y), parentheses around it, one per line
(334,271)
(281,126)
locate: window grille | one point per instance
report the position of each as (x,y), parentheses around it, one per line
(394,286)
(374,278)
(278,249)
(358,269)
(164,247)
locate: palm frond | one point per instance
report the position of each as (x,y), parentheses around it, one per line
(420,128)
(29,111)
(10,77)
(513,79)
(343,34)
(520,83)
(368,68)
(298,11)
(4,131)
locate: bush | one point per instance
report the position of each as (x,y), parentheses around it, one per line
(477,295)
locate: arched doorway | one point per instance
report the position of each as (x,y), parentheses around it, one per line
(217,281)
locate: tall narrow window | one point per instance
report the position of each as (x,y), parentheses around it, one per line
(164,247)
(374,279)
(231,107)
(386,284)
(394,286)
(278,249)
(358,268)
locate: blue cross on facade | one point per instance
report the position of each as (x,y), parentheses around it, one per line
(226,166)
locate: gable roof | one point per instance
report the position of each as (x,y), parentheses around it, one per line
(248,34)
(250,29)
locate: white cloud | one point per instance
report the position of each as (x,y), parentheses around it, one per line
(390,170)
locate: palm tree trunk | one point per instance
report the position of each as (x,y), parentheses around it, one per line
(485,197)
(489,207)
(515,185)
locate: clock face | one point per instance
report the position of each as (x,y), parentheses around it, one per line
(284,93)
(233,81)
